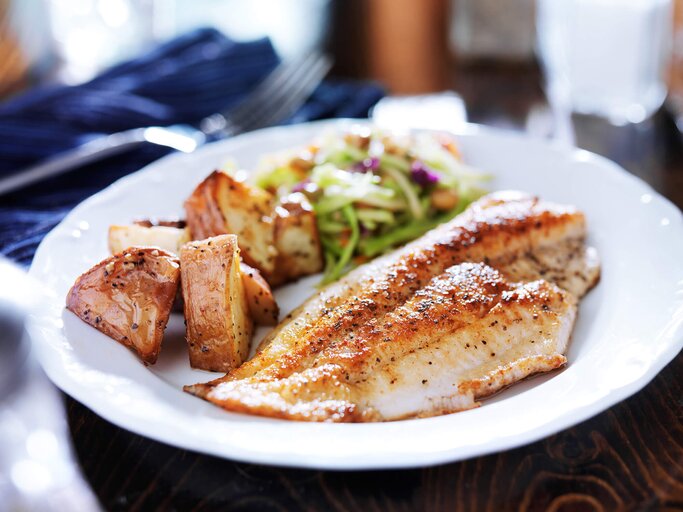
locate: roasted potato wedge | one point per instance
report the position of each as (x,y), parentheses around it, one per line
(169,223)
(169,239)
(219,326)
(222,204)
(262,305)
(129,297)
(299,252)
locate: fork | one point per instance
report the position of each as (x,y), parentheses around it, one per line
(277,97)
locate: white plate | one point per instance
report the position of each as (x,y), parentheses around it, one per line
(629,327)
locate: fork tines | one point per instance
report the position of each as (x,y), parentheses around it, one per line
(276,98)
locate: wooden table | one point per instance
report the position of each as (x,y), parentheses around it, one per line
(629,457)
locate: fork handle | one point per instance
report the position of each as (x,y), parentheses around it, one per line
(91,151)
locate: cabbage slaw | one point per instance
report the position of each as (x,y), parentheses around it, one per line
(372,190)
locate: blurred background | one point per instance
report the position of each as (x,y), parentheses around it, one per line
(410,46)
(521,64)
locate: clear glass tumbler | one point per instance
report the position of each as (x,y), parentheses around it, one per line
(606,57)
(38,468)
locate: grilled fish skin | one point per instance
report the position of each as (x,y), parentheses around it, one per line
(429,328)
(465,335)
(499,229)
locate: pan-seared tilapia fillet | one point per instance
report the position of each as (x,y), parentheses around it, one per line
(474,305)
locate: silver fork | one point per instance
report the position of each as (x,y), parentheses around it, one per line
(277,97)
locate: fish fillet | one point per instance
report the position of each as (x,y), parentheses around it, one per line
(471,307)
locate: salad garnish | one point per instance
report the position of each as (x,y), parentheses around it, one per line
(373,190)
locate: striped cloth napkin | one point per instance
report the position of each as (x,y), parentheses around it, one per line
(181,81)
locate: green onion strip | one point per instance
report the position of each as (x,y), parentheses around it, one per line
(408,191)
(345,258)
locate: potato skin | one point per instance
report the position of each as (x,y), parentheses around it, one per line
(204,217)
(299,251)
(169,223)
(219,326)
(221,204)
(128,297)
(170,239)
(262,305)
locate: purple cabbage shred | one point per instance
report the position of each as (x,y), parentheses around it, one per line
(301,186)
(423,175)
(369,164)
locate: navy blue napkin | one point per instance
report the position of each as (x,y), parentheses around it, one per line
(181,81)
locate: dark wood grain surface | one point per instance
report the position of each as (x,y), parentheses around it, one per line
(627,458)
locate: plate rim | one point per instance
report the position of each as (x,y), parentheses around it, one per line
(579,414)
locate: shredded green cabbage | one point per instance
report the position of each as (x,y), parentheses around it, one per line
(372,191)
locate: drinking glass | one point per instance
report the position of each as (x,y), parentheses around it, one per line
(606,57)
(38,468)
